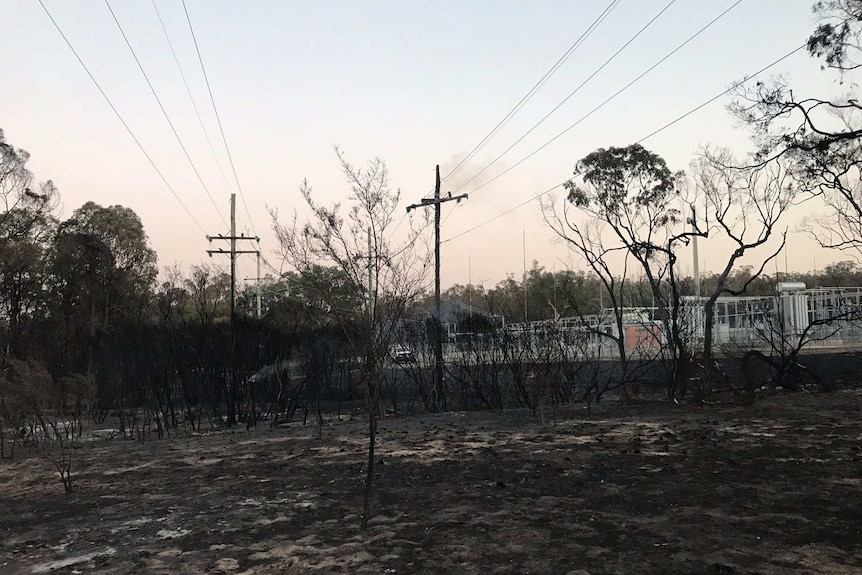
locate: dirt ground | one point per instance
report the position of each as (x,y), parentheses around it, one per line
(650,488)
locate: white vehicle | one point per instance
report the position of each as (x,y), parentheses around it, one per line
(402,355)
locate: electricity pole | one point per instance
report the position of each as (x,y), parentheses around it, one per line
(258,284)
(233,252)
(438,336)
(524,245)
(693,221)
(258,289)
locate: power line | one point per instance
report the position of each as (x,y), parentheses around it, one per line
(609,99)
(501,214)
(119,116)
(526,98)
(567,98)
(218,117)
(536,87)
(265,263)
(191,98)
(716,97)
(594,110)
(164,112)
(650,135)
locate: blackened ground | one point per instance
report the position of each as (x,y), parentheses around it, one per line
(647,488)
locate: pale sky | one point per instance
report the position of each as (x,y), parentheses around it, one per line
(415,83)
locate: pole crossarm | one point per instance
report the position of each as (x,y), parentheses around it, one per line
(224,251)
(239,237)
(425,202)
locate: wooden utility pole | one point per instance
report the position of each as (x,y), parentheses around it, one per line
(233,252)
(258,289)
(436,201)
(524,244)
(694,233)
(257,295)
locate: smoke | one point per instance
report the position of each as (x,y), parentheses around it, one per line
(469,176)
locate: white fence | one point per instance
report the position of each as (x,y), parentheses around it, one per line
(819,317)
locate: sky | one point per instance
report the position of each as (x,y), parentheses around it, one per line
(415,83)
